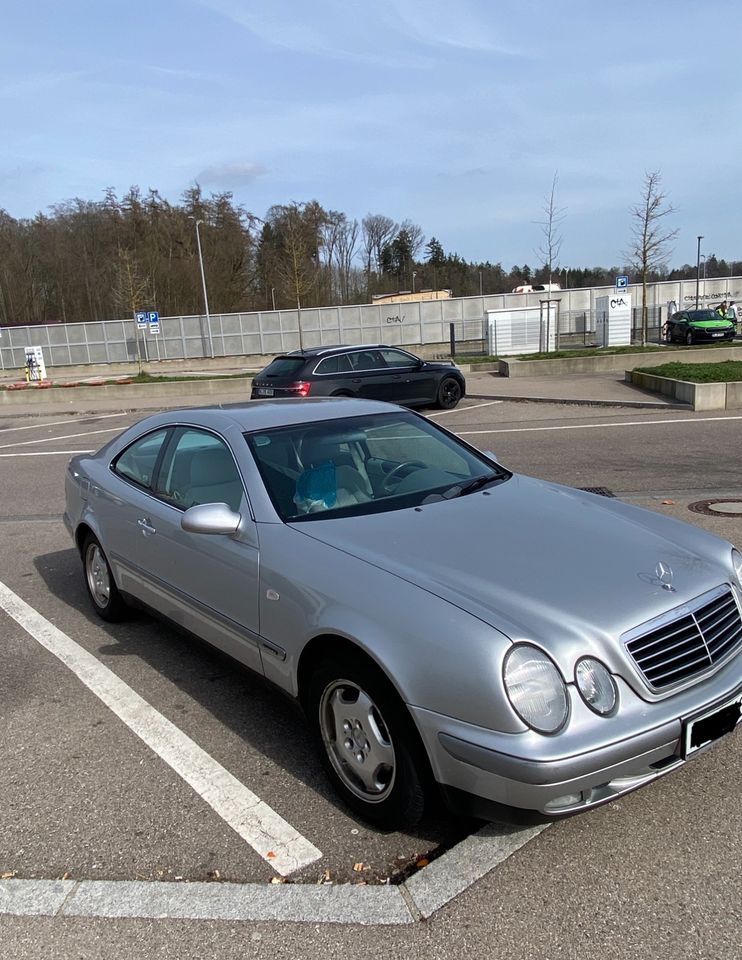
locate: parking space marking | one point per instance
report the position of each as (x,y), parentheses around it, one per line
(68,436)
(275,840)
(45,453)
(596,426)
(56,423)
(474,406)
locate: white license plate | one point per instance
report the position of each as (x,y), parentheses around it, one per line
(717,334)
(711,725)
(265,391)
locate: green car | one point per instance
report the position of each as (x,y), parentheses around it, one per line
(692,326)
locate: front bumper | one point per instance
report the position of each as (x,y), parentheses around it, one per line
(493,769)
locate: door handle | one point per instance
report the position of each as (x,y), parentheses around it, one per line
(145,525)
(356,380)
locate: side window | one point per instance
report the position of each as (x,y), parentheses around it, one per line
(367,360)
(199,468)
(338,364)
(395,358)
(137,462)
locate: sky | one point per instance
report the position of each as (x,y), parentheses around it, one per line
(456,115)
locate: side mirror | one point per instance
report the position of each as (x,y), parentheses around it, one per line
(211,518)
(491,455)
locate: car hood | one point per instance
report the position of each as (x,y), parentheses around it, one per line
(538,561)
(721,323)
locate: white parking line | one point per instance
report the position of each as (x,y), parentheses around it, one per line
(259,825)
(67,436)
(475,406)
(596,426)
(56,423)
(45,453)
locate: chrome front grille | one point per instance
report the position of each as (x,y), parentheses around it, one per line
(679,647)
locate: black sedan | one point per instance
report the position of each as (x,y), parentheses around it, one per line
(376,372)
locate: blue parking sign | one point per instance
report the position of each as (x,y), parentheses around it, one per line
(141,316)
(622,282)
(154,321)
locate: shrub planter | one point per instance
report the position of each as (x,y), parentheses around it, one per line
(700,396)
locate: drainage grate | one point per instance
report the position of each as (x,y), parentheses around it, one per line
(717,508)
(601,491)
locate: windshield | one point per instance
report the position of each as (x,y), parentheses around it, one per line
(697,315)
(370,464)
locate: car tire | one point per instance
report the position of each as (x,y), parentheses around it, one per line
(449,393)
(368,743)
(102,590)
(689,338)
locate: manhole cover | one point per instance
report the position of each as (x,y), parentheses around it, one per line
(601,491)
(712,508)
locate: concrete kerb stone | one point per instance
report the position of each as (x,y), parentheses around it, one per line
(612,363)
(639,404)
(232,388)
(417,898)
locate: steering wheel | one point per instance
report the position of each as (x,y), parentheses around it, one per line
(398,474)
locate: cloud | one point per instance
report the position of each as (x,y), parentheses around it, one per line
(350,30)
(471,27)
(231,175)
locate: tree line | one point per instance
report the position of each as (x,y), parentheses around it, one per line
(98,260)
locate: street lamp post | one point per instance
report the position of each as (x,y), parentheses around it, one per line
(698,268)
(203,282)
(704,258)
(414,274)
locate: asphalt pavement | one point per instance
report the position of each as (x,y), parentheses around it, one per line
(654,874)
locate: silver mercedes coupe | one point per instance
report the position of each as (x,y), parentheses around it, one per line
(447,625)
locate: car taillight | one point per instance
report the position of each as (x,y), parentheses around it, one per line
(301,387)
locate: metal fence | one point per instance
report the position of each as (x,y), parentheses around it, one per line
(271,332)
(242,334)
(579,328)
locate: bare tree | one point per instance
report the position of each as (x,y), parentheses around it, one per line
(551,231)
(131,290)
(347,240)
(416,236)
(651,241)
(377,232)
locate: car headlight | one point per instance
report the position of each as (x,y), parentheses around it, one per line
(535,689)
(597,687)
(737,562)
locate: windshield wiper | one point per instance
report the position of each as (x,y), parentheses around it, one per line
(461,489)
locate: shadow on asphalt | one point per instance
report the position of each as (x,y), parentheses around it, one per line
(265,718)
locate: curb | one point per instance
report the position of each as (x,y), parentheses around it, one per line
(414,900)
(640,404)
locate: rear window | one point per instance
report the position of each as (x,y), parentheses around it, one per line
(284,367)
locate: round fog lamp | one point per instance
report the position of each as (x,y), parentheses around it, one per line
(596,685)
(535,689)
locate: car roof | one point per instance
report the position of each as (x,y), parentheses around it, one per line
(339,348)
(268,414)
